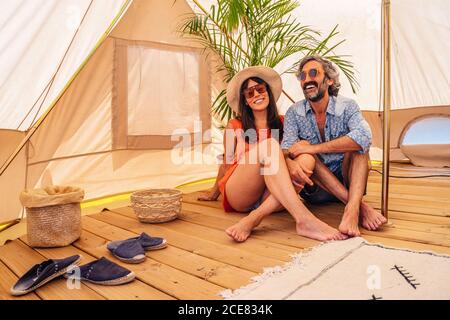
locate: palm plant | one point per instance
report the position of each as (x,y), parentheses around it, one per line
(243,33)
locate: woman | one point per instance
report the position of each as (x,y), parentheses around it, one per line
(254,176)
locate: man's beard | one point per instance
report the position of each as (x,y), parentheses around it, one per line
(321,89)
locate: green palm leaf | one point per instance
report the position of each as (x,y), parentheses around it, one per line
(243,33)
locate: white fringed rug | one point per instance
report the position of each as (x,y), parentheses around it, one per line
(353,269)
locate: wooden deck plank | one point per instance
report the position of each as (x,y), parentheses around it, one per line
(287,234)
(268,235)
(408,180)
(136,290)
(329,208)
(270,231)
(216,272)
(426,189)
(167,279)
(441,182)
(439,201)
(19,258)
(284,224)
(227,254)
(324,213)
(422,221)
(410,206)
(256,245)
(417,217)
(7,281)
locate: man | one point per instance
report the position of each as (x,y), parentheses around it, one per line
(332,129)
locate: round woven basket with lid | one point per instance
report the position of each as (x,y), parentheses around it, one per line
(156,205)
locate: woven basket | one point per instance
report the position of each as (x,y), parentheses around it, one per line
(53,216)
(54,226)
(156,205)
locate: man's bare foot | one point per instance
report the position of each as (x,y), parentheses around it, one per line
(349,222)
(242,230)
(371,219)
(313,228)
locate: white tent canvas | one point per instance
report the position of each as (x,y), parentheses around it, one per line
(109,71)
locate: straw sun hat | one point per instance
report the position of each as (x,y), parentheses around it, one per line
(270,76)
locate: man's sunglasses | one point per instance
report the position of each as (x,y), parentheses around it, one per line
(312,74)
(250,92)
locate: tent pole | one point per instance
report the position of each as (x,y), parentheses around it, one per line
(386,105)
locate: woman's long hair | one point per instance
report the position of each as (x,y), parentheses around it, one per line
(248,119)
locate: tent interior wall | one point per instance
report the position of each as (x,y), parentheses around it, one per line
(75,144)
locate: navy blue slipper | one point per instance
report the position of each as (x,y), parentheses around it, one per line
(151,243)
(103,272)
(42,273)
(129,251)
(147,242)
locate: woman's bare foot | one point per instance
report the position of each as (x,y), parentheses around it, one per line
(349,222)
(313,228)
(242,230)
(371,219)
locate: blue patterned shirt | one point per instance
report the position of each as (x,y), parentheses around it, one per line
(343,118)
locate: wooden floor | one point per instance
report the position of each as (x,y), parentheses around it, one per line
(201,260)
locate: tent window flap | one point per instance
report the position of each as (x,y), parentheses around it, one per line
(159,89)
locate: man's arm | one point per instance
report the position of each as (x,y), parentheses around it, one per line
(359,129)
(290,137)
(339,145)
(359,137)
(290,131)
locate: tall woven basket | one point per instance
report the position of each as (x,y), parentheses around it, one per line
(156,205)
(53,216)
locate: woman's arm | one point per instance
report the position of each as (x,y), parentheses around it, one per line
(228,156)
(214,193)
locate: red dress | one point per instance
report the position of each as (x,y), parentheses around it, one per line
(241,148)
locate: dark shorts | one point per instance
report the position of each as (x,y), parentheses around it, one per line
(317,195)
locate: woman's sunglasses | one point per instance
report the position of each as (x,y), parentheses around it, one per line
(312,74)
(250,92)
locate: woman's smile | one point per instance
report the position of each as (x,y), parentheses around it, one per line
(259,101)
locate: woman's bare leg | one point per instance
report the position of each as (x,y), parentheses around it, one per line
(271,167)
(242,230)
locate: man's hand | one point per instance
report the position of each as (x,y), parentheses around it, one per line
(299,175)
(300,148)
